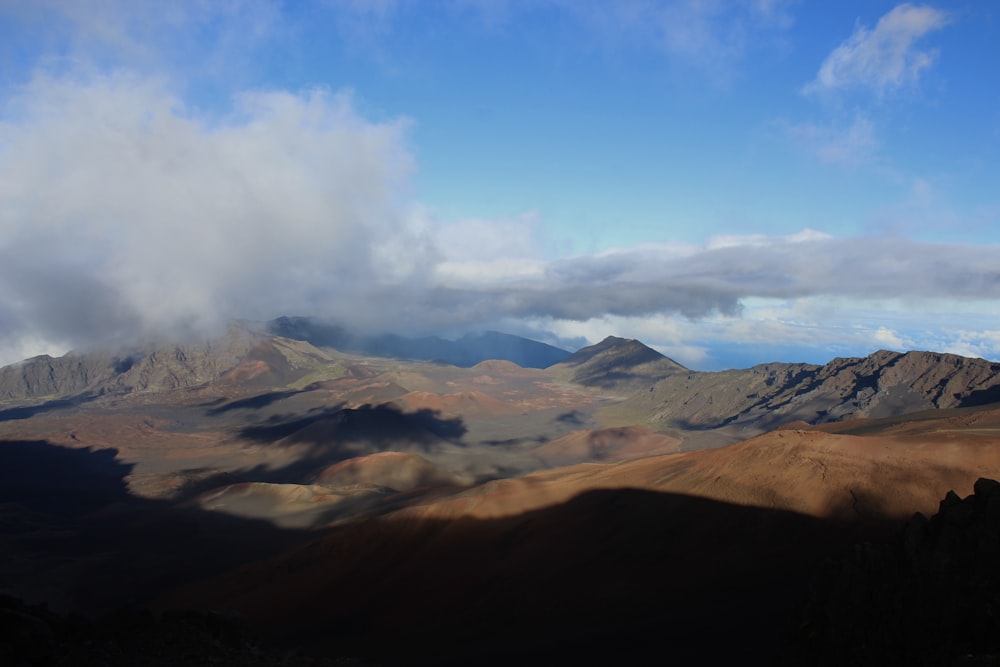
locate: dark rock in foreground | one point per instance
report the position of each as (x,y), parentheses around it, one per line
(930,597)
(32,635)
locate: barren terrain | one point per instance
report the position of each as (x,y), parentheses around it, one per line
(410,511)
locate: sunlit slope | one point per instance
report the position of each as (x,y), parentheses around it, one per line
(763,397)
(594,556)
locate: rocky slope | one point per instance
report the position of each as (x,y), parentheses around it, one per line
(882,384)
(452,534)
(638,385)
(618,364)
(240,357)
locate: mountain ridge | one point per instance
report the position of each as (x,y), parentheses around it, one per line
(882,384)
(469,350)
(463,497)
(640,385)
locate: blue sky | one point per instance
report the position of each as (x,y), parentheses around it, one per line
(730,182)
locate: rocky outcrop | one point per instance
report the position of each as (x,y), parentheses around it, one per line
(33,635)
(930,597)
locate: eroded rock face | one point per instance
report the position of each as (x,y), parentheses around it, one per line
(930,597)
(242,356)
(151,368)
(883,384)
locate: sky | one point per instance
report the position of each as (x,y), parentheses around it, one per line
(732,182)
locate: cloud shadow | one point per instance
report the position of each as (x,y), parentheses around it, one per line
(381,425)
(252,403)
(28,411)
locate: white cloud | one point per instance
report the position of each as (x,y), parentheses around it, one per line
(122,214)
(721,280)
(983,343)
(481,252)
(480,239)
(708,37)
(853,145)
(889,338)
(752,240)
(167,37)
(14,350)
(884,58)
(820,327)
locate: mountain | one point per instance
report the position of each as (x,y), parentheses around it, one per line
(882,384)
(637,385)
(464,352)
(619,364)
(151,368)
(316,332)
(594,509)
(242,356)
(631,384)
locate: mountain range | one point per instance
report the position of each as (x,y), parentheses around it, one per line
(367,497)
(466,351)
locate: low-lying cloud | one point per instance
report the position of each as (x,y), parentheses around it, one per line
(125,214)
(702,281)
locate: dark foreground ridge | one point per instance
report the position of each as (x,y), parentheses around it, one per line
(34,635)
(621,576)
(931,596)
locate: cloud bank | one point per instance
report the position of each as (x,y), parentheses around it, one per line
(700,281)
(125,214)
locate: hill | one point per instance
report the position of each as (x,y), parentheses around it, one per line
(618,364)
(596,560)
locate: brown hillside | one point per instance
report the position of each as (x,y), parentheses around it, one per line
(463,403)
(395,470)
(596,557)
(610,444)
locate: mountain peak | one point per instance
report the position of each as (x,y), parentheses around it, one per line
(626,351)
(618,363)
